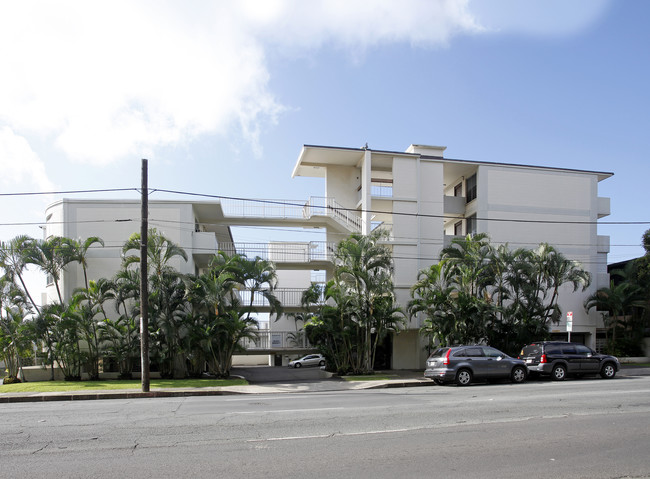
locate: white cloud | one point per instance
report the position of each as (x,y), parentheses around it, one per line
(117,78)
(20,165)
(108,80)
(539,17)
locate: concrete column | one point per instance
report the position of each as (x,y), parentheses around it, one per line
(366,202)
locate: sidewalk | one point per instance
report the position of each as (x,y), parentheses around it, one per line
(402,379)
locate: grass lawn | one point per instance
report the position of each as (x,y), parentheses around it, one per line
(63,386)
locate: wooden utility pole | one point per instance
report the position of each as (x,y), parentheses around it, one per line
(144,286)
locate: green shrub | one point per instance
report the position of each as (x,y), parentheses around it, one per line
(10,380)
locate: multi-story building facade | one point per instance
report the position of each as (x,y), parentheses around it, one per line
(426,200)
(422,198)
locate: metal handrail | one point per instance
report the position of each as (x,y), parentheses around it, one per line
(292,209)
(276,340)
(288,297)
(285,251)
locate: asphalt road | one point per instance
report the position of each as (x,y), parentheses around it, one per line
(588,428)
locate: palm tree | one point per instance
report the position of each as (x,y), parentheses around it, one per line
(618,301)
(50,256)
(14,333)
(363,272)
(555,271)
(14,260)
(468,260)
(256,276)
(431,296)
(78,251)
(167,292)
(90,304)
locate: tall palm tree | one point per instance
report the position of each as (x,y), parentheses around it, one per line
(90,303)
(14,260)
(167,291)
(257,276)
(431,296)
(468,260)
(618,301)
(51,256)
(555,271)
(363,270)
(78,251)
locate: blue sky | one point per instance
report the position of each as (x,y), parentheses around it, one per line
(221,96)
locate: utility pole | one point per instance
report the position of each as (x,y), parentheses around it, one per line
(144,286)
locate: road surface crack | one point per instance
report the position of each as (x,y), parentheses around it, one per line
(40,449)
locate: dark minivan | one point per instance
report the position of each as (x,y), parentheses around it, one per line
(560,358)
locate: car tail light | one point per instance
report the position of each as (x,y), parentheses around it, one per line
(543,359)
(446,360)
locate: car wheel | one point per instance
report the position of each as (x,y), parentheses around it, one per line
(608,371)
(297,365)
(518,375)
(559,373)
(464,377)
(322,363)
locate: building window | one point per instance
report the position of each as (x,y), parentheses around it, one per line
(471,188)
(381,188)
(471,225)
(458,189)
(458,228)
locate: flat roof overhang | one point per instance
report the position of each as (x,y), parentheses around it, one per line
(314,159)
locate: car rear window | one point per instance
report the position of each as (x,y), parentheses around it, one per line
(532,350)
(438,353)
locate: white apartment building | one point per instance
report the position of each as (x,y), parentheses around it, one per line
(426,200)
(197,227)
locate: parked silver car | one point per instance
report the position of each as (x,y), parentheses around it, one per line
(309,360)
(464,364)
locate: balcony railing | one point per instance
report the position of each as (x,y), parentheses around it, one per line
(285,251)
(293,209)
(288,297)
(322,206)
(277,340)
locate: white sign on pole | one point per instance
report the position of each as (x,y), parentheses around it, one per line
(569,321)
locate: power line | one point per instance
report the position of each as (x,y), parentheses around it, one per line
(69,192)
(302,204)
(420,215)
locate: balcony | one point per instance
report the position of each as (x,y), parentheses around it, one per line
(286,210)
(603,244)
(204,246)
(603,207)
(288,297)
(448,239)
(454,205)
(297,253)
(272,341)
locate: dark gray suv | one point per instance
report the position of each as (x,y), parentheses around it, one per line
(464,364)
(559,359)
